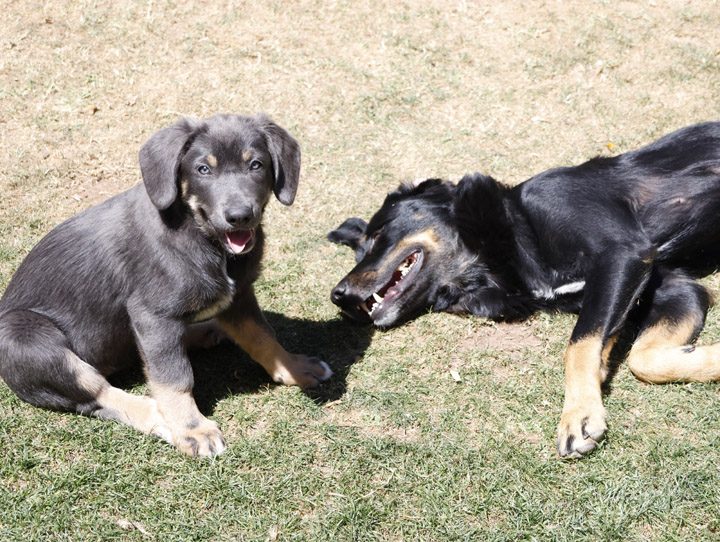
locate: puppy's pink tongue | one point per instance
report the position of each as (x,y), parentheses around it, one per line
(238,240)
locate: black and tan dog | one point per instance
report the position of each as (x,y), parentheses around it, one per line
(123,280)
(619,239)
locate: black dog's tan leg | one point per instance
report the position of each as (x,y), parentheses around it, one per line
(139,412)
(663,354)
(39,366)
(246,325)
(582,424)
(663,351)
(612,288)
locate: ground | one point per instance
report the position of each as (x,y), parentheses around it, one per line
(442,429)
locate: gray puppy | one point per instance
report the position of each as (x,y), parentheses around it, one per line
(123,281)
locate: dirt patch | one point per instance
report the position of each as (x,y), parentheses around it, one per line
(505,337)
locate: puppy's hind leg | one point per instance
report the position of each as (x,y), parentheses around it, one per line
(36,362)
(663,351)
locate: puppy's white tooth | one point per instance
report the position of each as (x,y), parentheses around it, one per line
(377,298)
(363,306)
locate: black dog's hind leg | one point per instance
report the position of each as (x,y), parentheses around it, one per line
(36,362)
(662,351)
(612,286)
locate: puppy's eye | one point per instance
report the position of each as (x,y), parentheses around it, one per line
(203,170)
(256,164)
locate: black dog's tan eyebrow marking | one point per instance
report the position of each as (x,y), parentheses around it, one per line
(428,237)
(211,160)
(246,155)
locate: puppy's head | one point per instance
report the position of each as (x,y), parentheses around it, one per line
(402,255)
(223,169)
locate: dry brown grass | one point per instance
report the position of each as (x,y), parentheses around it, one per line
(375,91)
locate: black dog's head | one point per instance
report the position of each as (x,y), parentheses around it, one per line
(402,255)
(223,169)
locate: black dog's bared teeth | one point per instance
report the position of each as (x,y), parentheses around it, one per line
(376,299)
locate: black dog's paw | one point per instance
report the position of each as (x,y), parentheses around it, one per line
(580,431)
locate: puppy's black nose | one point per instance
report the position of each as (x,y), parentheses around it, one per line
(337,294)
(239,215)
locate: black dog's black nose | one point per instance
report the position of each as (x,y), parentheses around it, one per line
(239,216)
(338,293)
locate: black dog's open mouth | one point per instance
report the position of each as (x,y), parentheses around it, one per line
(400,280)
(239,241)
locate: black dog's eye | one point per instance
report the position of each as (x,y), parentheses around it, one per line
(374,238)
(255,164)
(203,170)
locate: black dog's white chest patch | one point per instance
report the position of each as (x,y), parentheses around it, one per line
(552,293)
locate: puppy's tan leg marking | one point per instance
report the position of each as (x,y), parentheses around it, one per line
(283,367)
(115,404)
(582,424)
(192,432)
(662,354)
(140,412)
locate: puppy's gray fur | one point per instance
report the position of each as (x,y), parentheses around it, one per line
(122,281)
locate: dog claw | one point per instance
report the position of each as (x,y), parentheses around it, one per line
(579,434)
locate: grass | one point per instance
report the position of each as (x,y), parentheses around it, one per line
(393,448)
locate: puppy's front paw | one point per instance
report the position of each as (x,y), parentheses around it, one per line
(204,335)
(580,430)
(303,371)
(203,440)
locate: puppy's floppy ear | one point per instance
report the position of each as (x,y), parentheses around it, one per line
(285,153)
(160,159)
(350,233)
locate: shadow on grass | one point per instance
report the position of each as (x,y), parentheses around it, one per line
(227,370)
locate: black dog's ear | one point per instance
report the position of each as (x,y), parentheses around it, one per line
(349,233)
(160,159)
(285,153)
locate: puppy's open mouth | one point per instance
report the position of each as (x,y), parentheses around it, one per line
(401,278)
(239,241)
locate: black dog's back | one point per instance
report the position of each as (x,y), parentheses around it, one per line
(669,192)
